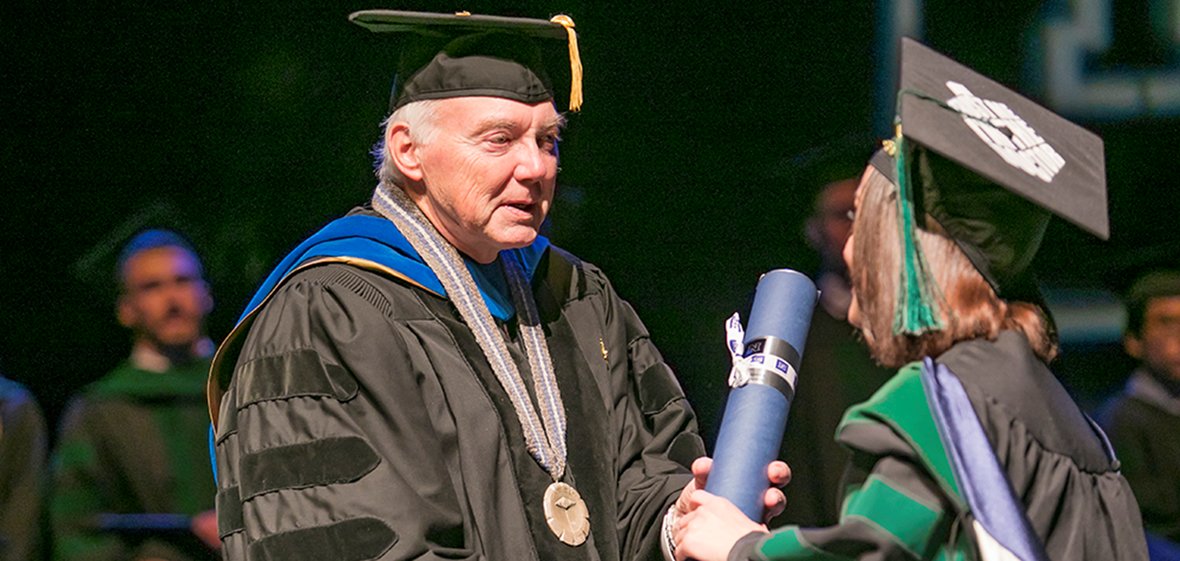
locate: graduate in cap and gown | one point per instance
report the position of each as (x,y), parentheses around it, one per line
(948,219)
(427,377)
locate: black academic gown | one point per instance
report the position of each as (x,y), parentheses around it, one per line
(363,422)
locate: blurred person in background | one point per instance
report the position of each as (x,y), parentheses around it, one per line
(1144,420)
(22,463)
(131,476)
(837,370)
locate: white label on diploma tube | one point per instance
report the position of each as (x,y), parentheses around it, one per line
(744,367)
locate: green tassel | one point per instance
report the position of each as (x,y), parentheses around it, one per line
(917,302)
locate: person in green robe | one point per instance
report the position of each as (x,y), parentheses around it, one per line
(131,477)
(948,217)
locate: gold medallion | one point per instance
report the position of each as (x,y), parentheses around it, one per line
(566,513)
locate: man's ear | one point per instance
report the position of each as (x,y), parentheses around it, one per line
(813,231)
(125,312)
(403,151)
(1133,345)
(206,298)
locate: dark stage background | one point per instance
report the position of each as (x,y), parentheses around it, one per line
(688,173)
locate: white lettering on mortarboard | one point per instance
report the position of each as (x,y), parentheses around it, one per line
(1006,133)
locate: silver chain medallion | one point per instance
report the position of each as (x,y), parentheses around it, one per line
(566,513)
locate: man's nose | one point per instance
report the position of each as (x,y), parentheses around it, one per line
(175,291)
(532,163)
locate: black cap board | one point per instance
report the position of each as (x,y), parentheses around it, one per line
(455,55)
(990,166)
(1003,137)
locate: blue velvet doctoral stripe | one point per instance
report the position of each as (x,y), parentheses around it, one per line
(376,239)
(980,477)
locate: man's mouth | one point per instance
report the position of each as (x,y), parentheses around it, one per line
(523,207)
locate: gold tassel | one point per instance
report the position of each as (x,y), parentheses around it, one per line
(575,61)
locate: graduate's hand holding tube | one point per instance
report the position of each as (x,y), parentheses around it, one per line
(716,521)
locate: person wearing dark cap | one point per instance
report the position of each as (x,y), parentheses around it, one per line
(130,446)
(973,446)
(427,377)
(1144,419)
(23,442)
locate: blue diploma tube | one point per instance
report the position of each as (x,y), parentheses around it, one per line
(756,412)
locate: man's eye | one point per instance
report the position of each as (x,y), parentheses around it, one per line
(1168,322)
(499,139)
(150,286)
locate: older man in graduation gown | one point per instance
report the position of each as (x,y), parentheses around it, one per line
(427,377)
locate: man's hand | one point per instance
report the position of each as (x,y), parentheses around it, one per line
(712,533)
(778,474)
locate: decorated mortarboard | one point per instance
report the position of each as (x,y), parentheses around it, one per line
(457,55)
(991,167)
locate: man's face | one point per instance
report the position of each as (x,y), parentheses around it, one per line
(489,172)
(165,300)
(1158,344)
(835,225)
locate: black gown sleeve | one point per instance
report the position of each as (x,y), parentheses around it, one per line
(657,430)
(315,460)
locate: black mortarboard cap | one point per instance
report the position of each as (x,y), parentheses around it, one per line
(990,166)
(456,55)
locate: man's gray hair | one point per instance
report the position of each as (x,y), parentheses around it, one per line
(419,119)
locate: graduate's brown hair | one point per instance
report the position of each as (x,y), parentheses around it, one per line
(969,307)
